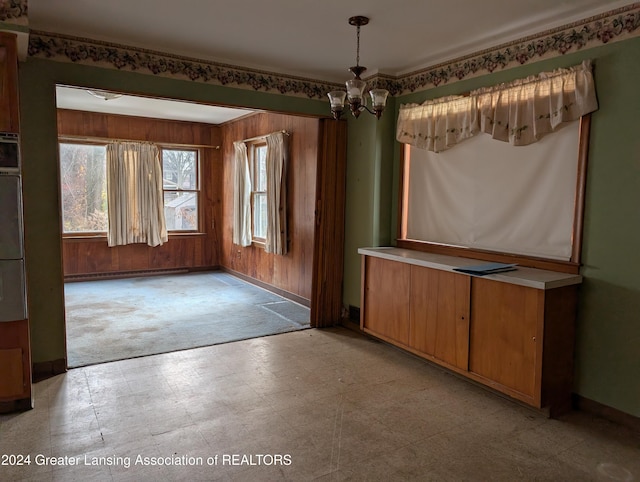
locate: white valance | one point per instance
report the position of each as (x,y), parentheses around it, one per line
(438,124)
(520,112)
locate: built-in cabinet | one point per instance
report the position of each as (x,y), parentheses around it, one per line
(15,366)
(15,354)
(513,332)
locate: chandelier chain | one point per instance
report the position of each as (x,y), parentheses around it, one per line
(358,47)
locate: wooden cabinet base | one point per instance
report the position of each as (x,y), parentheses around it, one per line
(513,338)
(15,366)
(20,405)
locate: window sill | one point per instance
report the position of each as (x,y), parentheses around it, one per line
(85,237)
(178,234)
(485,255)
(103,237)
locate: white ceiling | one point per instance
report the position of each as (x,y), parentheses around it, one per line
(80,99)
(309,38)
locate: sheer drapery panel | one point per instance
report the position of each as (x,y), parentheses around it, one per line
(134,194)
(241,196)
(277,153)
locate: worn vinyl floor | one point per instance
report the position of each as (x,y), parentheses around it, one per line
(117,319)
(323,405)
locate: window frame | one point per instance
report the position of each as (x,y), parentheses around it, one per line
(254,172)
(198,185)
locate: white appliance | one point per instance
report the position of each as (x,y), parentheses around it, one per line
(13,305)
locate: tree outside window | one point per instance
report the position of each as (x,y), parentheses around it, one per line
(83,188)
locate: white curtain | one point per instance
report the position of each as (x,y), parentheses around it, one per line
(134,194)
(241,196)
(276,240)
(439,124)
(523,111)
(520,112)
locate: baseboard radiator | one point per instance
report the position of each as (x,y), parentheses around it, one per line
(123,274)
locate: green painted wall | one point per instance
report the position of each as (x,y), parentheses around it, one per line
(37,79)
(608,325)
(370,152)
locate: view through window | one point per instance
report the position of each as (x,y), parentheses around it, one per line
(258,163)
(83,188)
(181,188)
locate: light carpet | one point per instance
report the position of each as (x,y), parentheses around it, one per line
(117,319)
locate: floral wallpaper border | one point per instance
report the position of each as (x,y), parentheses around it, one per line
(605,28)
(92,52)
(609,27)
(13,11)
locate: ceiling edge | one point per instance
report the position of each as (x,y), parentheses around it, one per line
(615,25)
(609,27)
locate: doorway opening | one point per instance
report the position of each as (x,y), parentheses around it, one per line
(208,247)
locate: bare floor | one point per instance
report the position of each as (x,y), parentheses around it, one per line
(324,405)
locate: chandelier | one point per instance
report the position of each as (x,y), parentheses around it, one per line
(356,86)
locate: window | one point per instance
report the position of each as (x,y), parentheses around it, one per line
(181,185)
(83,178)
(258,168)
(491,198)
(83,188)
(260,192)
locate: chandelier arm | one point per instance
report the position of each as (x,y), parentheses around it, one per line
(364,107)
(374,112)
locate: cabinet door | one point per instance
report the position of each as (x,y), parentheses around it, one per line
(439,315)
(386,298)
(15,366)
(11,374)
(506,335)
(8,83)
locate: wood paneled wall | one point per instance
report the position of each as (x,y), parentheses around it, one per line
(90,256)
(292,272)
